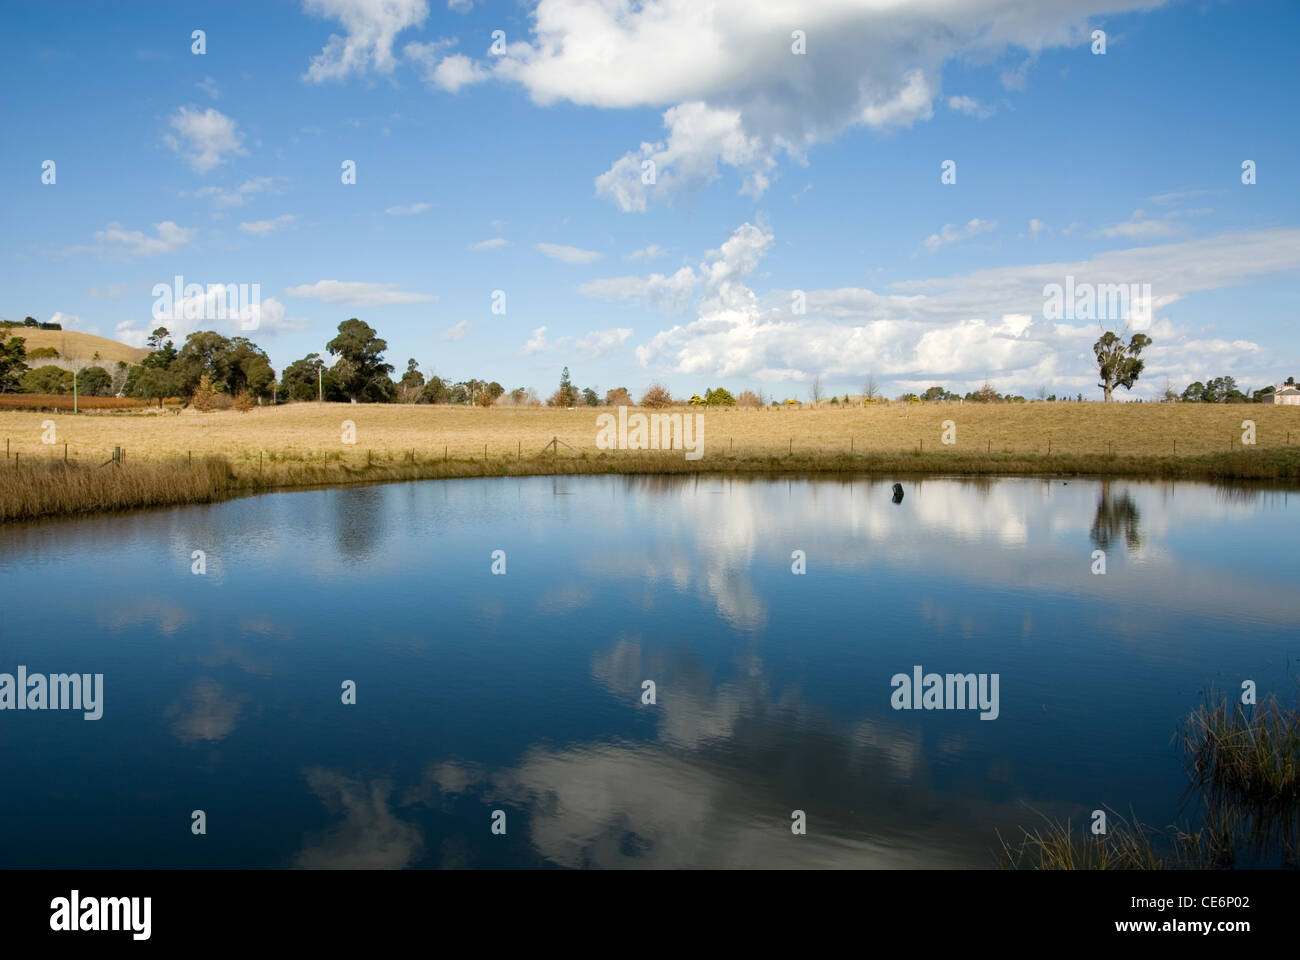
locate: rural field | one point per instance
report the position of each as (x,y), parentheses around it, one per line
(174,456)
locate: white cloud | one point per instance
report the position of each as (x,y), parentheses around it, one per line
(731,90)
(263,227)
(224,199)
(558,251)
(371,26)
(667,292)
(1139,228)
(1036,227)
(456,71)
(68,321)
(950,234)
(409,210)
(209,86)
(460,6)
(960,329)
(357,294)
(536,343)
(652,252)
(971,107)
(204,138)
(600,342)
(114,243)
(456,331)
(228,308)
(493,244)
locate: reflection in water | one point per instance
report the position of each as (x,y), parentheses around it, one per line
(1115,514)
(522,693)
(205,712)
(368,837)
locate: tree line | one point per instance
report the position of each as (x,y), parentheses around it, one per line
(210,369)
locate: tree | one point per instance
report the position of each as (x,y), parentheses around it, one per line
(817,390)
(1195,393)
(870,389)
(310,379)
(721,397)
(435,391)
(567,393)
(748,398)
(47,379)
(361,371)
(590,397)
(13,362)
(30,322)
(618,397)
(94,382)
(120,370)
(656,395)
(412,382)
(1118,363)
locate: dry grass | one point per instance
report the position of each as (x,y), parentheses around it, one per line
(302,444)
(48,488)
(1124,846)
(74,346)
(1250,754)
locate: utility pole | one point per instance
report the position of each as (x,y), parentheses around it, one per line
(74,389)
(320,383)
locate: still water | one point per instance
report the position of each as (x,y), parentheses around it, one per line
(523,692)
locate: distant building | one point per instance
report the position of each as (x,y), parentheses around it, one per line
(1287,395)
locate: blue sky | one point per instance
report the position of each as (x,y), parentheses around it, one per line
(521,171)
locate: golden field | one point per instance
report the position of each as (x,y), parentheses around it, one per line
(302,444)
(79,347)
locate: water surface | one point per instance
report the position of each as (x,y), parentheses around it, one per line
(523,692)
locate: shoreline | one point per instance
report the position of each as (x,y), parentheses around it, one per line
(50,489)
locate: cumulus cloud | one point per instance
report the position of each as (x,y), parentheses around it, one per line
(536,343)
(971,107)
(600,342)
(456,331)
(984,324)
(558,251)
(263,227)
(367,43)
(652,252)
(223,198)
(115,243)
(950,234)
(204,138)
(666,292)
(731,90)
(235,309)
(356,293)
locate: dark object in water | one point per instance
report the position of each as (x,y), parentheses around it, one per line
(898,493)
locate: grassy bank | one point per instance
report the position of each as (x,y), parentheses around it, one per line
(191,457)
(38,487)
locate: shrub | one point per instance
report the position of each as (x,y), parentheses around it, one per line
(748,398)
(618,397)
(656,395)
(205,397)
(244,401)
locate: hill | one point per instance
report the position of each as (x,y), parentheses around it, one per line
(78,347)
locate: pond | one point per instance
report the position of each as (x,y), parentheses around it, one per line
(652,672)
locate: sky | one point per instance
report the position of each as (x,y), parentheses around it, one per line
(701,193)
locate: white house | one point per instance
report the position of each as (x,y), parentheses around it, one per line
(1287,395)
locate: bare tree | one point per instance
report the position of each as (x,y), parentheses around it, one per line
(817,390)
(870,389)
(1041,392)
